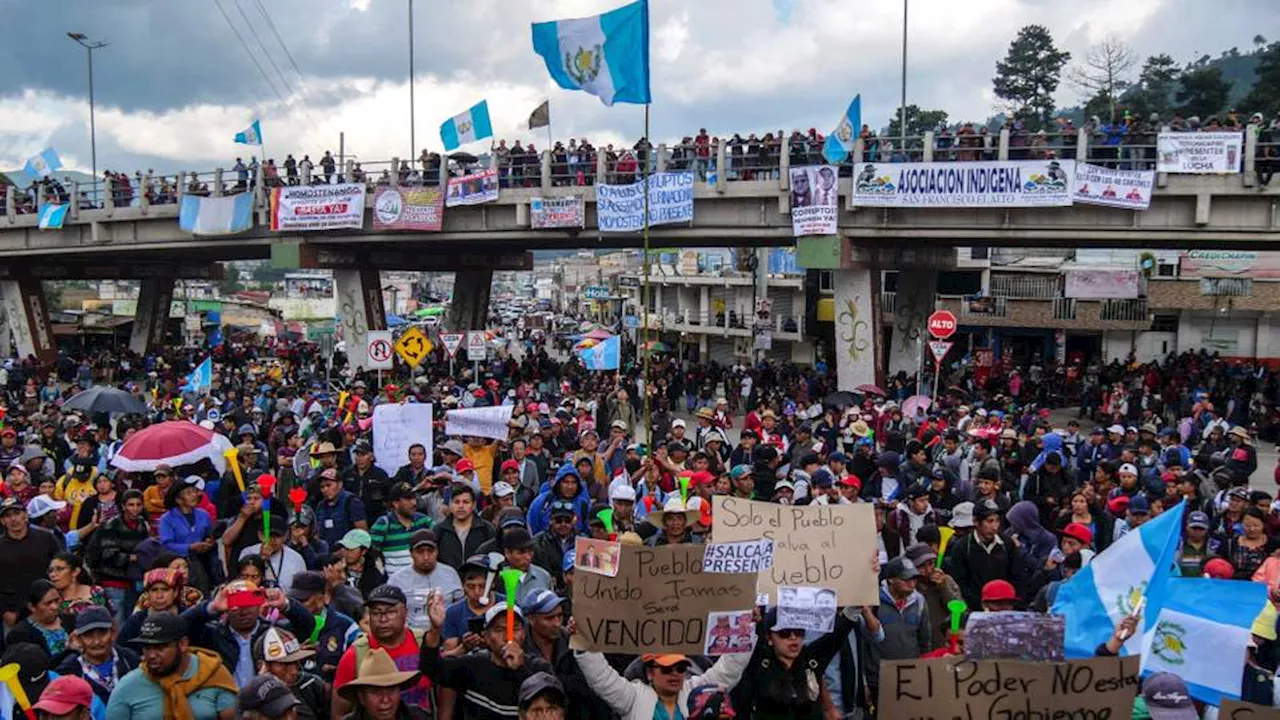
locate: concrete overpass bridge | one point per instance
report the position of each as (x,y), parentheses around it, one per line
(144,241)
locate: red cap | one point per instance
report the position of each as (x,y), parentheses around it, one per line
(1219,569)
(997,591)
(464,465)
(508,465)
(478,393)
(491,383)
(852,481)
(702,477)
(1168,477)
(8,431)
(1118,504)
(65,695)
(531,407)
(1079,532)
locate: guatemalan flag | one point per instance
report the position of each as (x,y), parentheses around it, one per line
(53,216)
(606,55)
(466,128)
(1202,634)
(839,143)
(44,164)
(251,135)
(201,378)
(603,355)
(226,215)
(1098,597)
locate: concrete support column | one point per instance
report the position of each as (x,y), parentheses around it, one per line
(546,169)
(27,318)
(151,319)
(927,151)
(706,315)
(913,302)
(1002,153)
(360,309)
(470,307)
(856,326)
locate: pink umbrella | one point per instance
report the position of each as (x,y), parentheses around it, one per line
(916,404)
(869,389)
(599,334)
(176,442)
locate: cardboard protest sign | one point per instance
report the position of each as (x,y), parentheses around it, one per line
(398,427)
(485,422)
(659,602)
(1238,710)
(957,688)
(736,557)
(817,545)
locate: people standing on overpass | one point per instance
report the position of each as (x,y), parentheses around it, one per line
(327,162)
(305,168)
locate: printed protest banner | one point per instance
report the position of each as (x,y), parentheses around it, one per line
(731,633)
(660,602)
(829,546)
(478,187)
(815,201)
(1010,183)
(395,428)
(1198,152)
(596,556)
(561,212)
(1240,710)
(1102,284)
(300,208)
(487,422)
(736,557)
(958,688)
(807,608)
(620,208)
(408,208)
(1128,189)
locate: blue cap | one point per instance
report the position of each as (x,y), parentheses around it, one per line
(1138,505)
(838,457)
(1198,520)
(540,602)
(823,478)
(570,558)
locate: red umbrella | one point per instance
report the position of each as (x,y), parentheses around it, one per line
(176,442)
(870,389)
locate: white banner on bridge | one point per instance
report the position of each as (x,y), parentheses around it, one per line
(317,207)
(620,208)
(1012,183)
(1198,152)
(1128,189)
(815,200)
(486,422)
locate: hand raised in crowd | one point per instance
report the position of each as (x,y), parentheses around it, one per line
(513,656)
(436,609)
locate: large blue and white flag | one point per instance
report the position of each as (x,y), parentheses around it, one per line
(226,215)
(604,355)
(1202,634)
(840,142)
(466,128)
(53,216)
(1098,597)
(44,164)
(251,135)
(201,378)
(606,55)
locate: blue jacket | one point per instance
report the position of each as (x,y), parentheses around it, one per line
(540,509)
(177,533)
(333,520)
(215,634)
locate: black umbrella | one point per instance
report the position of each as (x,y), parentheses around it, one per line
(842,398)
(105,399)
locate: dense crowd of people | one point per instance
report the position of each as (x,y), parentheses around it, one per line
(365,589)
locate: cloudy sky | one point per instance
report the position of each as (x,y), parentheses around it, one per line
(176,83)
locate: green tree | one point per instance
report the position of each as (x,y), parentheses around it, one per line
(230,282)
(1265,96)
(1029,75)
(918,121)
(1259,40)
(1203,92)
(1154,90)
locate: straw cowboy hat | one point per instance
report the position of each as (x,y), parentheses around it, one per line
(377,670)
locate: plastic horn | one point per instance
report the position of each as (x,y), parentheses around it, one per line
(511,582)
(957,609)
(9,676)
(946,534)
(606,517)
(267,484)
(233,457)
(297,496)
(494,559)
(684,488)
(177,404)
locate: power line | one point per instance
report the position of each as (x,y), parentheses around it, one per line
(249,52)
(272,26)
(263,48)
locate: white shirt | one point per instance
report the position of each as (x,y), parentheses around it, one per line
(281,567)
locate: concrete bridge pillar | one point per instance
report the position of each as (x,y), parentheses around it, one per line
(857,325)
(360,310)
(469,309)
(151,318)
(27,319)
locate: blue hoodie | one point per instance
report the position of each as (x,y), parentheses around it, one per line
(1037,543)
(539,517)
(1052,443)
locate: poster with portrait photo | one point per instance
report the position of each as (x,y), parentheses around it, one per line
(815,200)
(730,633)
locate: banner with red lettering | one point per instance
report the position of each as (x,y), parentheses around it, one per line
(303,208)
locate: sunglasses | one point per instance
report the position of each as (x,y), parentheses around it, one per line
(677,669)
(789,634)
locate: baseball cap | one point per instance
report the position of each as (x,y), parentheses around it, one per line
(1167,698)
(278,645)
(984,509)
(562,508)
(1219,569)
(1079,532)
(400,491)
(93,617)
(622,492)
(999,591)
(540,602)
(1138,505)
(64,695)
(503,489)
(1198,520)
(356,538)
(917,491)
(899,569)
(423,537)
(509,465)
(500,610)
(41,505)
(11,503)
(386,595)
(306,585)
(266,694)
(362,446)
(678,423)
(161,629)
(541,683)
(921,553)
(1127,469)
(453,446)
(517,538)
(1116,429)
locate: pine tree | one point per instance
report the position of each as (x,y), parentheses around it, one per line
(1203,92)
(1029,75)
(1265,96)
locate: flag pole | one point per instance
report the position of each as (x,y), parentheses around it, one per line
(645,296)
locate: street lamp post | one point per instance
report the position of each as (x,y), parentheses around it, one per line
(90,45)
(413,144)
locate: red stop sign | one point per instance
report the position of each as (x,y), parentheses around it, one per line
(942,324)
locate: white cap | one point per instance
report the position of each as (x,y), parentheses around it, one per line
(678,423)
(42,505)
(1117,429)
(503,489)
(1127,469)
(622,492)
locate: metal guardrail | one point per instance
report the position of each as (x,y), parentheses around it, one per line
(1125,310)
(1020,286)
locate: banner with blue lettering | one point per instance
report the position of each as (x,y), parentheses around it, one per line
(620,208)
(1012,183)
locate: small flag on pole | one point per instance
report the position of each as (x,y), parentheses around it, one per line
(606,55)
(251,135)
(44,164)
(541,116)
(466,128)
(201,378)
(840,142)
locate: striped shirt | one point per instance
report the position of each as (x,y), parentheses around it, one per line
(391,536)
